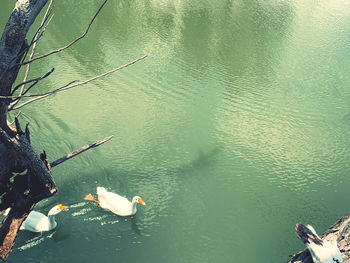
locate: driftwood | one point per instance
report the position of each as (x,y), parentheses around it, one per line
(26,177)
(341,231)
(79,151)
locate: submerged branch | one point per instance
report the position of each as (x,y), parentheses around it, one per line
(79,151)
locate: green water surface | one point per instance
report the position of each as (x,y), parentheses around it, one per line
(235,128)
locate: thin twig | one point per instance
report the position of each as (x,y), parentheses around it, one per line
(17,115)
(45,27)
(71,43)
(36,37)
(68,86)
(79,151)
(24,52)
(38,34)
(38,98)
(36,81)
(32,80)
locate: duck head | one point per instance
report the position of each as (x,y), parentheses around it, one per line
(57,209)
(139,200)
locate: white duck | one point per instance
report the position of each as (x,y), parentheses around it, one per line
(115,203)
(38,222)
(322,251)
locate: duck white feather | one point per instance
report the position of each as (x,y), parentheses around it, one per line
(38,222)
(322,251)
(115,203)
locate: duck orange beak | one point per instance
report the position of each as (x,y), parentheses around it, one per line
(141,201)
(62,207)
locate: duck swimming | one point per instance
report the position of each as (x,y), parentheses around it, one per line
(38,222)
(322,251)
(117,204)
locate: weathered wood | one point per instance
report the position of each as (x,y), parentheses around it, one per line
(79,151)
(25,177)
(22,194)
(13,46)
(18,127)
(24,191)
(33,43)
(9,231)
(341,231)
(28,157)
(27,132)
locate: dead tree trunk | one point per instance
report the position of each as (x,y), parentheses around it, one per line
(25,176)
(13,45)
(341,231)
(20,191)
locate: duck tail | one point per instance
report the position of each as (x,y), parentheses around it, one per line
(89,197)
(307,234)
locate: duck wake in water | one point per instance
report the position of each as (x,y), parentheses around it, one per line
(117,204)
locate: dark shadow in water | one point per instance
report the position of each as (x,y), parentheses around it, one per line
(27,235)
(134,226)
(203,160)
(57,237)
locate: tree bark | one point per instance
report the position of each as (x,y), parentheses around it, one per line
(25,179)
(13,45)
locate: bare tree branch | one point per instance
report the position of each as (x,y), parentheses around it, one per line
(79,151)
(68,86)
(18,127)
(37,183)
(11,61)
(33,43)
(37,81)
(71,43)
(32,80)
(38,98)
(17,115)
(27,132)
(39,33)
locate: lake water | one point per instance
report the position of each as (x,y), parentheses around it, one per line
(235,128)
